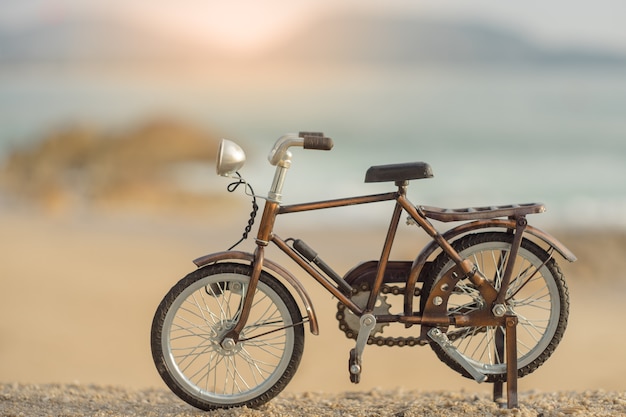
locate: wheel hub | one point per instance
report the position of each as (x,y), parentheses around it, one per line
(229,344)
(226,346)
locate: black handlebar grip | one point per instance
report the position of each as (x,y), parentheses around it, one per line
(316,140)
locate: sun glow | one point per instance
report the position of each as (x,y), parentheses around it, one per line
(239,27)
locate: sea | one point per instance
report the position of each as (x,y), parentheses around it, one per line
(492,136)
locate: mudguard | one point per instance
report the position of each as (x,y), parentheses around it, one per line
(509,224)
(269,266)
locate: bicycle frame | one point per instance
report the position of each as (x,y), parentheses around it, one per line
(465,268)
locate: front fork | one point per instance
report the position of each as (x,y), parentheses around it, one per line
(232,337)
(263,237)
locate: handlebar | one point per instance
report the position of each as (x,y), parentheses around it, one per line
(316,140)
(308,140)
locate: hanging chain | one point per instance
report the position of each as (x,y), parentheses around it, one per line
(255,208)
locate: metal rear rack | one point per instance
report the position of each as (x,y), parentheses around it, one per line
(480,213)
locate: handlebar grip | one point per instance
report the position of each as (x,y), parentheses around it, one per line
(316,140)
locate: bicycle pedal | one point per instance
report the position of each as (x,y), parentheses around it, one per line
(354,367)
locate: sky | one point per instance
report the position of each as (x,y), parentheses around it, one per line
(249,25)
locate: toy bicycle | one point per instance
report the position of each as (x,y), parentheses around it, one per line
(487,295)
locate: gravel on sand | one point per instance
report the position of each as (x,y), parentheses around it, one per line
(69,400)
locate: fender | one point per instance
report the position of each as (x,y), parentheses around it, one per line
(420,261)
(239,256)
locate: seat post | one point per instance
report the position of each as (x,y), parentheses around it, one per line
(402,186)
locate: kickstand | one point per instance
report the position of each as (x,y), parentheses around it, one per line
(507,346)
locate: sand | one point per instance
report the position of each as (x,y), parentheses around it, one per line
(79,290)
(72,400)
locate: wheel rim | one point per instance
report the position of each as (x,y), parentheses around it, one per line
(532,295)
(229,372)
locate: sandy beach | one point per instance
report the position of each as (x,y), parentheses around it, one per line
(79,291)
(72,400)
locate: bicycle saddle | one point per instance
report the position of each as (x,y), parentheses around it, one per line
(398,172)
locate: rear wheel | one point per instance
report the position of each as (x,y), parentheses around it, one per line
(537,294)
(194,317)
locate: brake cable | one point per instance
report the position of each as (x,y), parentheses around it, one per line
(255,208)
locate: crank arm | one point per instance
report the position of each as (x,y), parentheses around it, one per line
(368,322)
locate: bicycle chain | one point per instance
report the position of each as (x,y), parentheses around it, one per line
(376,340)
(389,341)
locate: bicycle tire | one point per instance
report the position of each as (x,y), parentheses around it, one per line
(192,319)
(541,304)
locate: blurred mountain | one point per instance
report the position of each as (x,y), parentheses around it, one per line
(371,40)
(409,40)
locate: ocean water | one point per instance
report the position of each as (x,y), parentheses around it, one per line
(556,136)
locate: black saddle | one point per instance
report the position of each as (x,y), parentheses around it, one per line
(398,172)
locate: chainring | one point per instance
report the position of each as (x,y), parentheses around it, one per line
(349,323)
(360,299)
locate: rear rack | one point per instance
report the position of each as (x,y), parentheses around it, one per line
(479,213)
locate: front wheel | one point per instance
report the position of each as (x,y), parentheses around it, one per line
(192,320)
(537,294)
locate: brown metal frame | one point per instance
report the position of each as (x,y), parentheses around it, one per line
(433,315)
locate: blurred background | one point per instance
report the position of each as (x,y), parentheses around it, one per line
(110,112)
(530,95)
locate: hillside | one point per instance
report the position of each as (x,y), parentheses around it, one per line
(82,166)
